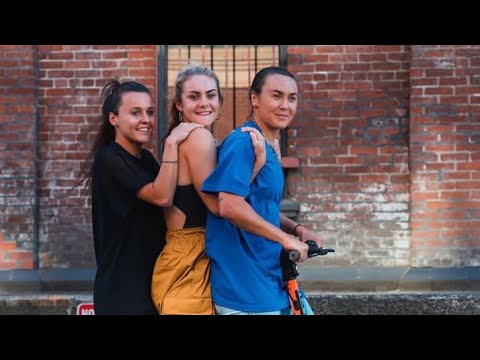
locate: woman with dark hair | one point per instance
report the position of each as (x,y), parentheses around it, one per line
(129,189)
(244,240)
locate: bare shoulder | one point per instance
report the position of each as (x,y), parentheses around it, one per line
(201,132)
(198,139)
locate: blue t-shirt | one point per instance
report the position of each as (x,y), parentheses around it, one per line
(245,268)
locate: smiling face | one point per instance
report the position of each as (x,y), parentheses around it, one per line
(200,101)
(275,106)
(134,122)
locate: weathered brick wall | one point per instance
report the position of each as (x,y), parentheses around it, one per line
(379,196)
(351,136)
(17,157)
(70,81)
(445,155)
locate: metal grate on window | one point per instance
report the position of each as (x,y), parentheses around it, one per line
(235,65)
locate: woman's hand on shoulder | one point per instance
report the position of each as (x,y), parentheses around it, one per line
(258,142)
(181,132)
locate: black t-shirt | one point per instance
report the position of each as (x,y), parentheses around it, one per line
(128,233)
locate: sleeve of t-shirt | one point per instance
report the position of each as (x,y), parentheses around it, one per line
(122,179)
(232,174)
(151,161)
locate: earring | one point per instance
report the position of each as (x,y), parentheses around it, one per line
(180,116)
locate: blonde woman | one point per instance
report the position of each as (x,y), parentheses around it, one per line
(180,283)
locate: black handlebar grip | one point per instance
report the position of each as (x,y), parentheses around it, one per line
(313,250)
(294,255)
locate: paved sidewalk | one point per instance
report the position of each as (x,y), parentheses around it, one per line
(333,291)
(403,279)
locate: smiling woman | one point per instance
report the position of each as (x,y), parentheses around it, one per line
(128,189)
(134,121)
(245,239)
(180,283)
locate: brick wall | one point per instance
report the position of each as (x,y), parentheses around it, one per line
(387,138)
(18,237)
(351,137)
(71,78)
(445,155)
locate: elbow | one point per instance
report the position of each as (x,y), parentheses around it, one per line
(226,210)
(214,209)
(148,194)
(165,202)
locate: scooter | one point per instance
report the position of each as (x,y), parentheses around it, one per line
(290,272)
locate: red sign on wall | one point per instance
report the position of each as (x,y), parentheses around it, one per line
(85,309)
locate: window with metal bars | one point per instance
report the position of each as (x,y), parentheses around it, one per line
(235,65)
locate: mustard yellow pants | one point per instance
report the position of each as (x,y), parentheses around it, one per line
(180,282)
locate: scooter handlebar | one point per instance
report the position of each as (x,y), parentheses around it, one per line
(313,250)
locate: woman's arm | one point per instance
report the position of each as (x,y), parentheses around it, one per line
(235,209)
(298,230)
(258,142)
(160,192)
(200,153)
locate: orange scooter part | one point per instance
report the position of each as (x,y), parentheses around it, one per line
(294,296)
(290,273)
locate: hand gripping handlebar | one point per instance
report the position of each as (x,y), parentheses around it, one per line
(313,250)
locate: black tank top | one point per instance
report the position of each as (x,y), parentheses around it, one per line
(187,200)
